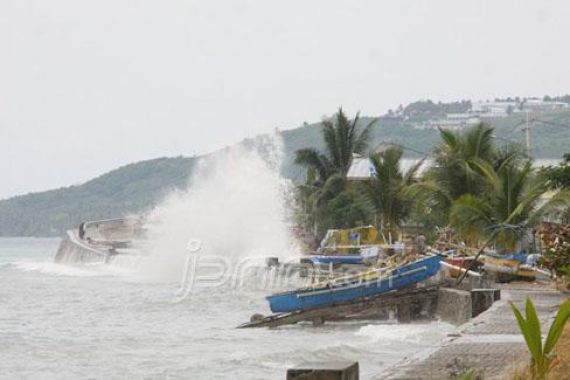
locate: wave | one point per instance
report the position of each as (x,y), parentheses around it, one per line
(96,270)
(413,333)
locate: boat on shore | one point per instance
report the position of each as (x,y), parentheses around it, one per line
(346,289)
(510,266)
(358,245)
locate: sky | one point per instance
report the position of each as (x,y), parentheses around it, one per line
(88,86)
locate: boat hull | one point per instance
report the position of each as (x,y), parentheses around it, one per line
(509,265)
(398,278)
(344,259)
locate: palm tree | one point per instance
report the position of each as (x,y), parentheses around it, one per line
(456,170)
(342,140)
(514,197)
(387,189)
(327,170)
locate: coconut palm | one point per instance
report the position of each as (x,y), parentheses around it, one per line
(386,190)
(456,170)
(342,139)
(514,196)
(327,170)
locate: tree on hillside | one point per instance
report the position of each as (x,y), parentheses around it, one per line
(559,176)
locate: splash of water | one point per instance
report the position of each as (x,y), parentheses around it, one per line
(235,205)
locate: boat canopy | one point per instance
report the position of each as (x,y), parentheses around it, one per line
(351,237)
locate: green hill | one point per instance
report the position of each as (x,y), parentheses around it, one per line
(137,187)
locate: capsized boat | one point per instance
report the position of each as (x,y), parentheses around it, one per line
(350,288)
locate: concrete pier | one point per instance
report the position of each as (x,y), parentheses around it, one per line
(73,250)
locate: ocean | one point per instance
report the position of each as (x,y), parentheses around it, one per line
(102,321)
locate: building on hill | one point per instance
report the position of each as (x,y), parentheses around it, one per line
(539,105)
(493,109)
(453,121)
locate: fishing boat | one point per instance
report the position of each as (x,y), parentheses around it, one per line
(510,266)
(339,259)
(358,245)
(459,264)
(350,288)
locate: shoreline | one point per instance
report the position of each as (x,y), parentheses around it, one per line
(490,343)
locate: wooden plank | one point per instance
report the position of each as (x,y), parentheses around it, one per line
(348,310)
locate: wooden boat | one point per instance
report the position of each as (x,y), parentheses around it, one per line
(347,289)
(358,245)
(340,259)
(461,262)
(507,267)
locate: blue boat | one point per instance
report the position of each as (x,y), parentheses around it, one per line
(341,259)
(355,287)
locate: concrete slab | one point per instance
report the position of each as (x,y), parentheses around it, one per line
(490,343)
(336,370)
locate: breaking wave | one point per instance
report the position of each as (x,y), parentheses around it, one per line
(235,207)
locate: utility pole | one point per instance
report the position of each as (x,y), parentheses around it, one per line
(527,135)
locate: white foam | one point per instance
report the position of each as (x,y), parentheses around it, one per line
(235,206)
(414,332)
(97,270)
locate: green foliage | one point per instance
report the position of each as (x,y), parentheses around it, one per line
(559,176)
(468,375)
(330,203)
(512,197)
(130,189)
(342,139)
(456,170)
(347,209)
(138,187)
(386,190)
(542,355)
(428,110)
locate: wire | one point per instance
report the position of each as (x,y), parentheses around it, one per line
(552,123)
(400,146)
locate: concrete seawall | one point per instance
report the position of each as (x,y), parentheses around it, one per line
(74,250)
(490,343)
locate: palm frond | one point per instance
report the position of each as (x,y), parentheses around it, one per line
(361,142)
(471,215)
(309,157)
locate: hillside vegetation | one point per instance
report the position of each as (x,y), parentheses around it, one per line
(139,186)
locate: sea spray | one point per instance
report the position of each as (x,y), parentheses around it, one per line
(235,206)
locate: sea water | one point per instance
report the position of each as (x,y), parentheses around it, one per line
(102,322)
(129,318)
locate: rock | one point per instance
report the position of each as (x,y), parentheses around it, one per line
(318,321)
(325,371)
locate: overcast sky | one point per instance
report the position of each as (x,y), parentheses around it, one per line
(87,86)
